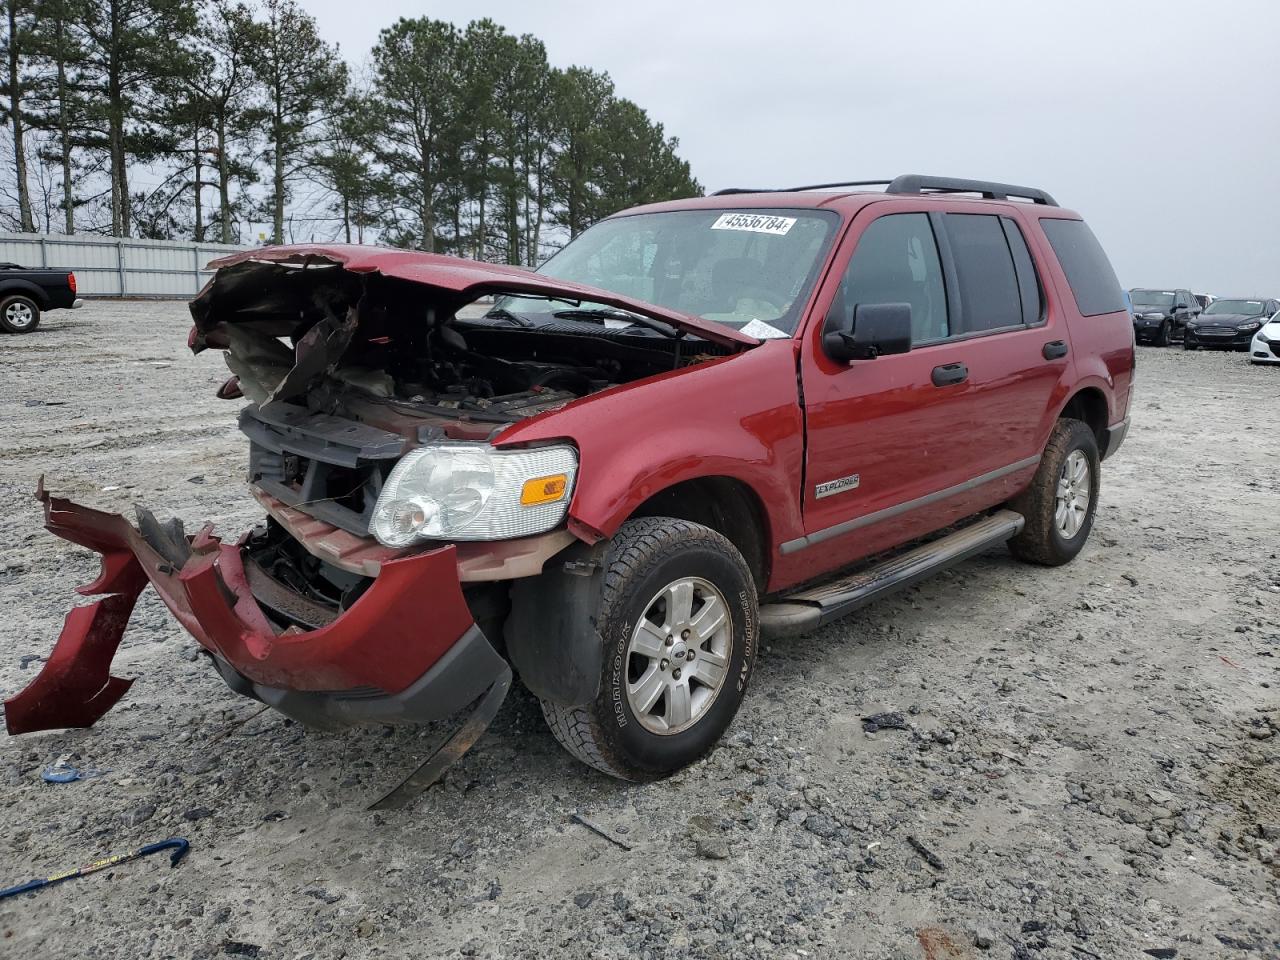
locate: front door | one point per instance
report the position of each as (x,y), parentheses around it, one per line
(886,437)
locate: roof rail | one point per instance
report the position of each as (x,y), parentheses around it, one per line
(915,183)
(918,184)
(729,191)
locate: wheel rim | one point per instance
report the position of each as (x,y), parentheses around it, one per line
(678,657)
(19,314)
(1072,502)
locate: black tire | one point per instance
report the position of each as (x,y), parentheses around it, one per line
(25,314)
(645,556)
(1188,346)
(1161,338)
(1041,541)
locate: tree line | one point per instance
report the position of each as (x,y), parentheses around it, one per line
(169,119)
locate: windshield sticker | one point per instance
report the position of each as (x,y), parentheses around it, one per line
(754,223)
(764,331)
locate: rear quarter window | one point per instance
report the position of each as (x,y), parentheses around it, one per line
(1089,273)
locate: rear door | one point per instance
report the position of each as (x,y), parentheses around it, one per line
(1017,347)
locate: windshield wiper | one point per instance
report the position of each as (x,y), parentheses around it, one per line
(502,313)
(607,313)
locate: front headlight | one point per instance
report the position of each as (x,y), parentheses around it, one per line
(1251,325)
(472,491)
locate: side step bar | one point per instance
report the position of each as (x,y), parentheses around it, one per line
(809,609)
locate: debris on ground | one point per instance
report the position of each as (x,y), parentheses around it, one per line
(179,845)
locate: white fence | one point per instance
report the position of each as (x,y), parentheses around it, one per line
(107,267)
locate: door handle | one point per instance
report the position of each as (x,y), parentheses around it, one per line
(950,374)
(1055,349)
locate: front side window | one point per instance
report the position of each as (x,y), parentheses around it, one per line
(896,261)
(751,270)
(990,297)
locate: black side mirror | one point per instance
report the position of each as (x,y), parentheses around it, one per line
(874,329)
(1179,306)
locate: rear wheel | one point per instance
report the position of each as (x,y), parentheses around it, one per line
(19,314)
(1060,502)
(680,628)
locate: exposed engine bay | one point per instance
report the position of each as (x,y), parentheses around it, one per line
(347,371)
(372,347)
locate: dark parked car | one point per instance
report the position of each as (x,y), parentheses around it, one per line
(1229,323)
(1160,316)
(25,292)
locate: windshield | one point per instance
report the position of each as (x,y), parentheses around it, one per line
(748,269)
(1152,298)
(1247,307)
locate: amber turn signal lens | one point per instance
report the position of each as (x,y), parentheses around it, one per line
(544,489)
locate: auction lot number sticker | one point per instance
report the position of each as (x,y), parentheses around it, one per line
(755,223)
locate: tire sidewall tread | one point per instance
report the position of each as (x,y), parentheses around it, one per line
(6,326)
(646,554)
(1040,542)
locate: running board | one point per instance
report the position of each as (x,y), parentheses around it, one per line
(809,609)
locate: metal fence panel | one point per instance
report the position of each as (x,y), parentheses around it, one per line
(107,267)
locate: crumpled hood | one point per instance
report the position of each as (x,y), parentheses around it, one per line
(237,287)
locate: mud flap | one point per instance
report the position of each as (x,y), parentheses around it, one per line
(449,752)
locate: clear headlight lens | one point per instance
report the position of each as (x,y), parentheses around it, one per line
(1251,325)
(472,491)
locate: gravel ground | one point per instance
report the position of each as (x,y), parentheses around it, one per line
(1088,763)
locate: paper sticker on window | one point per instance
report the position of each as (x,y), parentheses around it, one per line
(763,331)
(754,223)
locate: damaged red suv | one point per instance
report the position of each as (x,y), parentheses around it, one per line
(755,411)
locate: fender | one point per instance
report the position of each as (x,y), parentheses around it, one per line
(638,439)
(32,290)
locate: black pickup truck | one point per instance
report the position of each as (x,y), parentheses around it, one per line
(26,292)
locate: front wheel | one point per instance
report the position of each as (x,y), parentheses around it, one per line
(1162,335)
(679,624)
(1185,345)
(19,314)
(1060,502)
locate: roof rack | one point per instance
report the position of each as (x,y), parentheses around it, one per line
(914,183)
(729,191)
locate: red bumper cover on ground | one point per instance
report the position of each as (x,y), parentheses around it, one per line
(408,618)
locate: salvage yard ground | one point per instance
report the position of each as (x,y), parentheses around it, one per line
(1087,764)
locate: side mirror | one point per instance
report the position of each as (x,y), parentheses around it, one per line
(874,329)
(1179,306)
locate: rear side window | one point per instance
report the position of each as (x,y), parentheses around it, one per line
(896,261)
(1028,282)
(1093,281)
(990,297)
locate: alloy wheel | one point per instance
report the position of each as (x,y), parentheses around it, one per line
(1072,501)
(678,656)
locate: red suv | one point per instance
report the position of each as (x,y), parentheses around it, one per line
(702,420)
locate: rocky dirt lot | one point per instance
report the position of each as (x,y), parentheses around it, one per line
(1086,765)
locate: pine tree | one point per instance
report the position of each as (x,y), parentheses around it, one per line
(303,82)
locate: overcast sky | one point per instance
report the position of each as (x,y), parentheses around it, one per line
(1158,121)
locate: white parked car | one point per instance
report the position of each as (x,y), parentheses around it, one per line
(1265,347)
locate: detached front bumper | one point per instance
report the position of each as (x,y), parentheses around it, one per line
(406,650)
